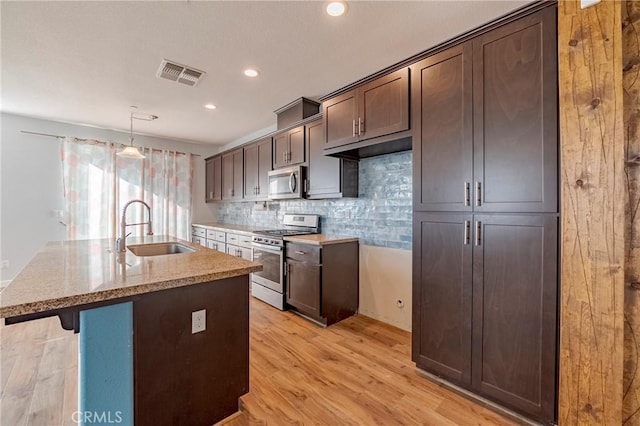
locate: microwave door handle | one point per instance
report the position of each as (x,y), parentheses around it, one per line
(292,182)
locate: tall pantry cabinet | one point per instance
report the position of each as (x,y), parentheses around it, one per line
(485,246)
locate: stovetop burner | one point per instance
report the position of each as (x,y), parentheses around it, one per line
(282,232)
(296,224)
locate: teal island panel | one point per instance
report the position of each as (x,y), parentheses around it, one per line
(105,362)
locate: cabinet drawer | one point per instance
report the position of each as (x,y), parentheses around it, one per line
(233,239)
(303,252)
(239,240)
(198,232)
(211,234)
(220,236)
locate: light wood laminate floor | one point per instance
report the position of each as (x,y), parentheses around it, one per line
(357,372)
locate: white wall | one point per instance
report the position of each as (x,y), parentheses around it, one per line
(31,182)
(385,278)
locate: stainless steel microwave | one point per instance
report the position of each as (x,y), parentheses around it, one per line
(287,183)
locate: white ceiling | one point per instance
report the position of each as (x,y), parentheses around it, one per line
(86,62)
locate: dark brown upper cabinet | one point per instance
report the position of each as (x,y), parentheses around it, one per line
(257,163)
(232,171)
(515,116)
(485,122)
(213,179)
(328,177)
(288,148)
(443,129)
(377,108)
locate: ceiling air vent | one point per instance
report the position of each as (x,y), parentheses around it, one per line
(180,73)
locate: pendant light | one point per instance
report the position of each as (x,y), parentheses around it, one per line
(131,151)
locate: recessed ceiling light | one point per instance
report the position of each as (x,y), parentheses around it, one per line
(210,106)
(336,8)
(250,72)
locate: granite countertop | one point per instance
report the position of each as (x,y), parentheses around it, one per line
(71,273)
(320,239)
(241,229)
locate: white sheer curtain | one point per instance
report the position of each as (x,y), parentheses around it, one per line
(97,184)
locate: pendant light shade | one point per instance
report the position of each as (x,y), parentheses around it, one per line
(131,151)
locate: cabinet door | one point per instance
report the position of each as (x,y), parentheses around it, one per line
(213,179)
(443,145)
(296,145)
(208,180)
(264,166)
(227,176)
(280,150)
(383,105)
(514,311)
(303,287)
(217,179)
(251,172)
(238,172)
(339,119)
(515,116)
(442,280)
(238,251)
(323,171)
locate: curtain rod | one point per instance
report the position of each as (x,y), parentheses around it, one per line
(84,140)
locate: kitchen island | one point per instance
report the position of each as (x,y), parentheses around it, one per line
(139,360)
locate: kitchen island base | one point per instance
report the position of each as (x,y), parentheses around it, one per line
(184,378)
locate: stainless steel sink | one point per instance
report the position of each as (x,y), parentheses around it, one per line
(158,249)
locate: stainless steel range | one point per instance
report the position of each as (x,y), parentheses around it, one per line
(268,249)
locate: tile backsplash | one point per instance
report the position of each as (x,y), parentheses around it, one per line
(380,216)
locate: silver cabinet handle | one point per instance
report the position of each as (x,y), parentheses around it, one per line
(354,127)
(478,194)
(292,182)
(299,252)
(286,267)
(360,126)
(467,194)
(478,232)
(467,229)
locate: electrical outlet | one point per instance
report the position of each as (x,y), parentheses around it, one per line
(198,321)
(4,264)
(347,213)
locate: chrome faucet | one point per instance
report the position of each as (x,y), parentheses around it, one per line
(121,243)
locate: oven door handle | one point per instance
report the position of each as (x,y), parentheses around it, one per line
(273,249)
(292,182)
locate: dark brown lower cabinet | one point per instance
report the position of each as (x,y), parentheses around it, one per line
(485,305)
(322,281)
(182,378)
(303,287)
